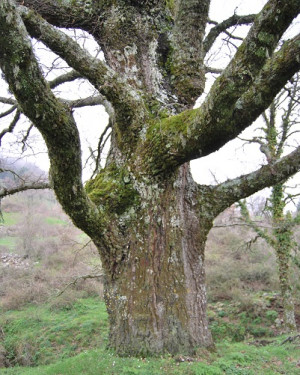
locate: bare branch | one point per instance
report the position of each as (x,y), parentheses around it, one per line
(100,75)
(78,278)
(239,225)
(101,145)
(223,26)
(268,175)
(257,228)
(51,117)
(8,112)
(68,77)
(23,187)
(84,102)
(62,14)
(11,127)
(8,100)
(187,44)
(209,69)
(14,173)
(26,136)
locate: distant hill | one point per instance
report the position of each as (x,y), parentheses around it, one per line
(14,170)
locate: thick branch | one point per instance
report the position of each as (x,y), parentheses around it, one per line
(7,100)
(242,187)
(85,102)
(50,116)
(199,132)
(61,13)
(101,76)
(223,26)
(68,77)
(187,45)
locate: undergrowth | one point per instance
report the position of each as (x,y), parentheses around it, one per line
(67,337)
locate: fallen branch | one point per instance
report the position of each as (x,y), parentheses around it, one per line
(290,339)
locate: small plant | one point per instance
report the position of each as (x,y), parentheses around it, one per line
(272,315)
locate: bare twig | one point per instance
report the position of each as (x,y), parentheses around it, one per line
(25,138)
(12,125)
(23,187)
(75,281)
(101,145)
(210,69)
(223,26)
(8,112)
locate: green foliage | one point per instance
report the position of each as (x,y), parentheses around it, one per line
(171,5)
(272,315)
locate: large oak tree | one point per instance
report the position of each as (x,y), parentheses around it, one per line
(146,215)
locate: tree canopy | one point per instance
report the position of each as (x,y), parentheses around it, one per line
(143,210)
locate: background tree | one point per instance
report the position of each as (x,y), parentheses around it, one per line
(146,215)
(272,144)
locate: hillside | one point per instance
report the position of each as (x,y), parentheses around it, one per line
(42,254)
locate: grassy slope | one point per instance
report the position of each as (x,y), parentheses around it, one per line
(56,334)
(11,218)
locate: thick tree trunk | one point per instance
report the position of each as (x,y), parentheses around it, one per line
(149,218)
(156,300)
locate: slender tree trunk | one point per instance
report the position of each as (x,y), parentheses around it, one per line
(283,241)
(283,260)
(156,298)
(287,296)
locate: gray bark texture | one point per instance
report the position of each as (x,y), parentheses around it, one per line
(144,212)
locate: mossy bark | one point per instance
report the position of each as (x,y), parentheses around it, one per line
(146,215)
(283,247)
(156,296)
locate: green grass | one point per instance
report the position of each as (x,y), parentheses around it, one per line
(11,218)
(41,335)
(230,359)
(9,242)
(55,221)
(64,337)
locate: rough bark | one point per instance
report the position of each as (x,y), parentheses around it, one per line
(157,300)
(147,217)
(283,247)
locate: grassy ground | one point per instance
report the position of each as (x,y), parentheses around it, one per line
(231,359)
(54,221)
(44,334)
(10,218)
(54,333)
(9,242)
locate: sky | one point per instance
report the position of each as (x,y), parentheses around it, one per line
(234,159)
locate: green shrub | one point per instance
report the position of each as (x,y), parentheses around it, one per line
(272,315)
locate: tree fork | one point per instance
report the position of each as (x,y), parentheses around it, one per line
(149,224)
